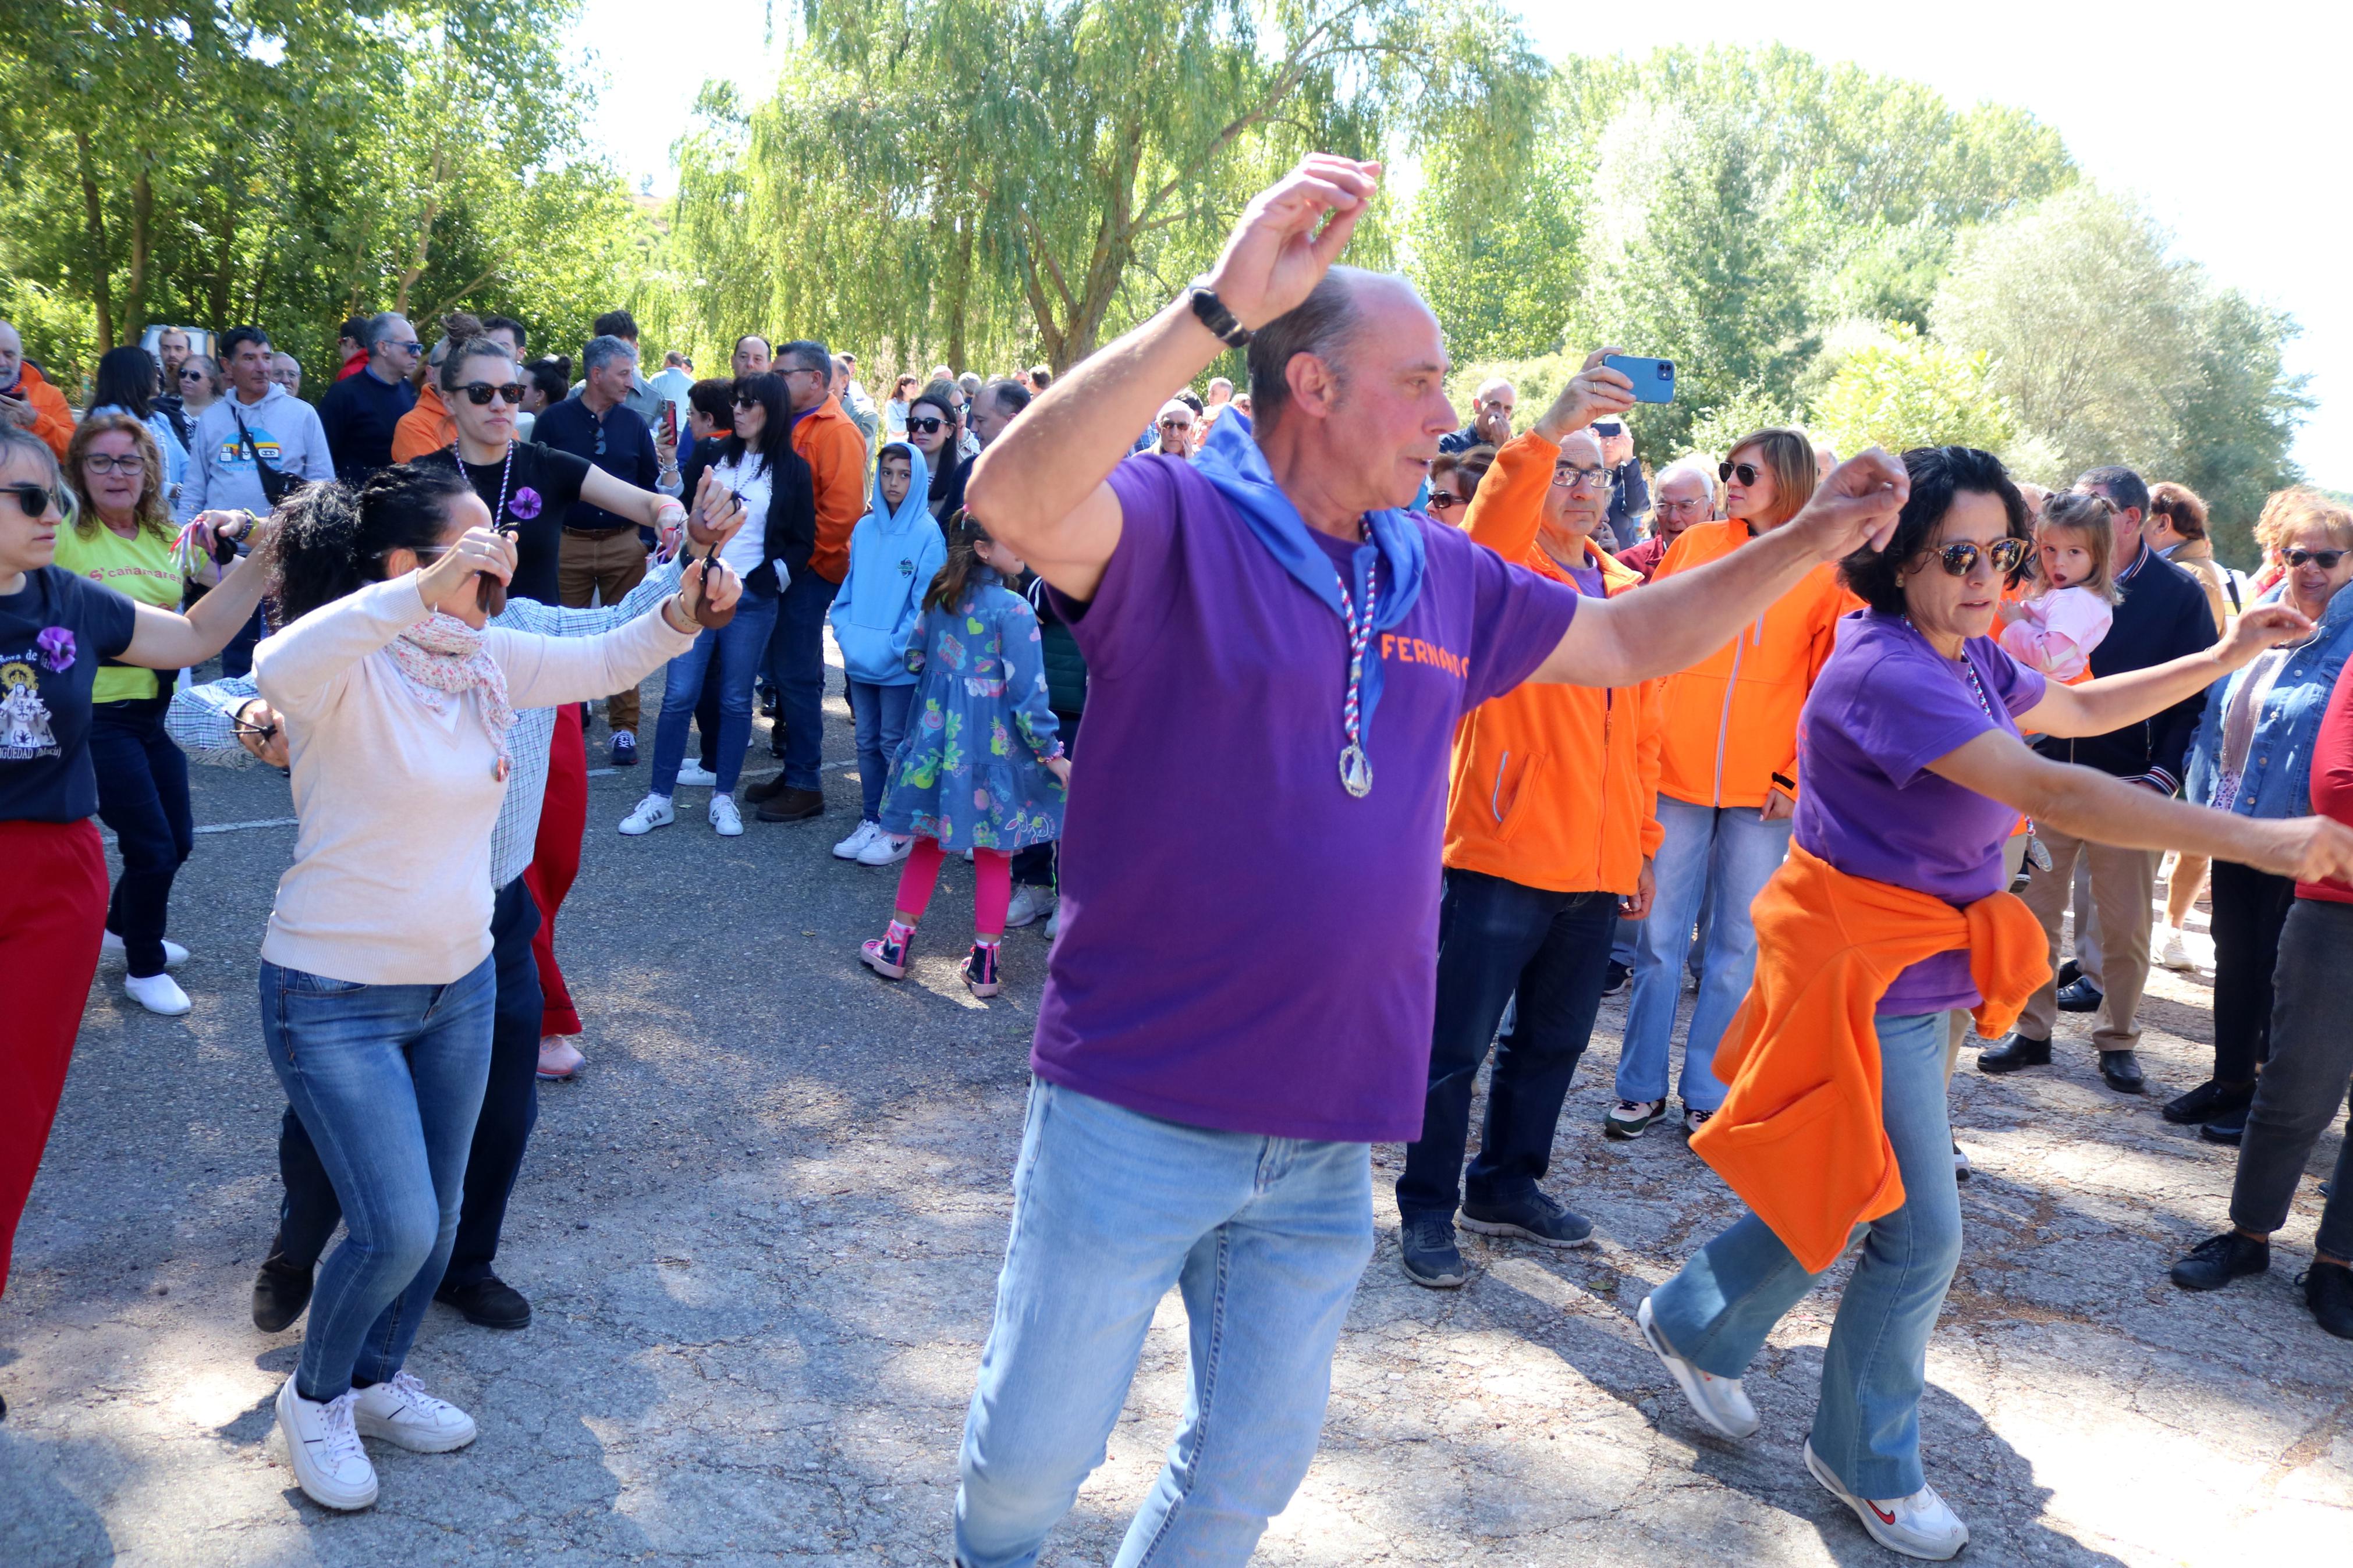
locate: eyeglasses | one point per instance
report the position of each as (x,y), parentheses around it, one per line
(1176,424)
(1444,500)
(412,346)
(192,375)
(480,393)
(107,463)
(1569,476)
(35,500)
(2325,560)
(1960,559)
(1679,507)
(1745,472)
(745,400)
(1608,427)
(927,426)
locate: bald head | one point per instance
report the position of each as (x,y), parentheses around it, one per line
(12,357)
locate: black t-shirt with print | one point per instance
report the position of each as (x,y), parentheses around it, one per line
(539,488)
(54,634)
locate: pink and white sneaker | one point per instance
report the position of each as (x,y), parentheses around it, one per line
(979,970)
(559,1059)
(886,954)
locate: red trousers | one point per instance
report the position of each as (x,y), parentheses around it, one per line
(555,862)
(52,914)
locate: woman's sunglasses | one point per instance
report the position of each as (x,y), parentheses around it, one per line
(1746,472)
(927,426)
(746,402)
(2325,560)
(192,375)
(35,500)
(480,393)
(1444,500)
(1960,559)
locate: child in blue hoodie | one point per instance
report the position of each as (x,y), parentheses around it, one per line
(894,553)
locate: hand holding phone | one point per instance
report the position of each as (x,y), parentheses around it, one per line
(1654,379)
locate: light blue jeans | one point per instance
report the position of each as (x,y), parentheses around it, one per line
(879,714)
(730,657)
(1266,1237)
(388,1082)
(1719,857)
(1717,1311)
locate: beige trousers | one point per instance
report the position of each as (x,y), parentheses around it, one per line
(2122,883)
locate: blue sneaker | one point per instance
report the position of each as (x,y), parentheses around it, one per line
(1427,1252)
(1536,1218)
(625,749)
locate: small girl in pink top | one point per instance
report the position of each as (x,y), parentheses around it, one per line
(2055,628)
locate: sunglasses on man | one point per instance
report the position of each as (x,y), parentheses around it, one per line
(480,393)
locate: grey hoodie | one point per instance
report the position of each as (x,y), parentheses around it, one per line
(287,434)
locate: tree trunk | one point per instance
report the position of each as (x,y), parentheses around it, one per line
(102,270)
(225,268)
(959,294)
(142,239)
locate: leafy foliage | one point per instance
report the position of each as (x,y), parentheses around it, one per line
(1898,390)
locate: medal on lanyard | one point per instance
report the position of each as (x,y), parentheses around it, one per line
(1356,768)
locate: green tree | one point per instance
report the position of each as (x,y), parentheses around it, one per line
(1899,390)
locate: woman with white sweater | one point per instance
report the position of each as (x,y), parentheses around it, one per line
(376,985)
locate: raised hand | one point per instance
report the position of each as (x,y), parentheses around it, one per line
(1857,505)
(1592,393)
(447,583)
(2265,626)
(1285,243)
(261,731)
(707,591)
(718,512)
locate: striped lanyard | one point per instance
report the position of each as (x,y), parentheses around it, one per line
(1356,768)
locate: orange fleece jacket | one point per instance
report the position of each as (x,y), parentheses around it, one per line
(53,419)
(427,427)
(835,451)
(1732,717)
(1552,787)
(1799,1137)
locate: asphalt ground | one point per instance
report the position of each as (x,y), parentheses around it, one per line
(761,1234)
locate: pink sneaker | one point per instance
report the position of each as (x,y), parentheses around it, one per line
(886,954)
(979,970)
(558,1059)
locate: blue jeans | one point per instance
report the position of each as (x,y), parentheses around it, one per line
(736,647)
(881,715)
(388,1082)
(1720,856)
(143,795)
(1718,1311)
(1266,1237)
(797,669)
(1496,936)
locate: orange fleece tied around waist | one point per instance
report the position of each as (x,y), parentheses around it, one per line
(1799,1137)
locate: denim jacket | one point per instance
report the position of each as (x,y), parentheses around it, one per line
(2278,778)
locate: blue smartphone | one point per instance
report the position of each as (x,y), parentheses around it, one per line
(1654,379)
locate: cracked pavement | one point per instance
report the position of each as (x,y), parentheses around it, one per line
(760,1235)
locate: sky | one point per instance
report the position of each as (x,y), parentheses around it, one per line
(2228,122)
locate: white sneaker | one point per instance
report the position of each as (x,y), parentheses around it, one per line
(2172,946)
(652,812)
(1718,1401)
(860,837)
(1030,906)
(323,1446)
(159,993)
(174,955)
(1921,1525)
(401,1412)
(1054,921)
(725,820)
(694,775)
(886,849)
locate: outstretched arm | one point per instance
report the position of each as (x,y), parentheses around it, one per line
(2097,707)
(1040,486)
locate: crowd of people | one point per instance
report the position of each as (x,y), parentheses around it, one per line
(1507,720)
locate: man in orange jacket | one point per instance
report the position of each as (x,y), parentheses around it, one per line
(1727,787)
(835,451)
(27,399)
(1550,827)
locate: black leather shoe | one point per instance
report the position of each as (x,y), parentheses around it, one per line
(2069,972)
(765,789)
(2225,1127)
(2121,1069)
(2328,1291)
(2082,996)
(2014,1053)
(2208,1101)
(281,1291)
(2219,1259)
(791,805)
(488,1302)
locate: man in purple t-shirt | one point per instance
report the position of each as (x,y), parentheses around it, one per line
(1239,999)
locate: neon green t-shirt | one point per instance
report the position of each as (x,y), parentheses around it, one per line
(139,568)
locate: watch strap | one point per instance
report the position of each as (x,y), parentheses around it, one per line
(1212,313)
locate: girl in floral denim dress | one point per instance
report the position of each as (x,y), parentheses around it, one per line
(981,767)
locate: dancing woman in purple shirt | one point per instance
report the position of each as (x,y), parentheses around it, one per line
(1240,1000)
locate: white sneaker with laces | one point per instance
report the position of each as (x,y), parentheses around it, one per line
(174,955)
(2172,946)
(725,820)
(654,811)
(1632,1117)
(1054,922)
(401,1412)
(886,849)
(694,775)
(1030,906)
(1921,1525)
(1720,1401)
(159,993)
(323,1446)
(860,837)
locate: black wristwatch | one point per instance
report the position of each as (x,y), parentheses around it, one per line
(1213,314)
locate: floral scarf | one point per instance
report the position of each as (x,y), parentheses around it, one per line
(442,659)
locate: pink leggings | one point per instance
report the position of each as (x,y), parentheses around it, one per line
(994,870)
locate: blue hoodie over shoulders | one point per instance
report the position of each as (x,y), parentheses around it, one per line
(894,553)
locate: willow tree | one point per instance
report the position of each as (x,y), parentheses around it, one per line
(989,177)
